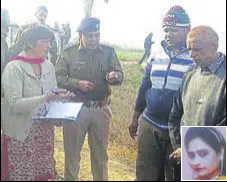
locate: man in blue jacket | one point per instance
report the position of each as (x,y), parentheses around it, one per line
(162,78)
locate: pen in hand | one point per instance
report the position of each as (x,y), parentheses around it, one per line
(59,95)
(59,91)
(55,92)
(65,93)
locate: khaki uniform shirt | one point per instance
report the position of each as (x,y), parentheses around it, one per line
(78,63)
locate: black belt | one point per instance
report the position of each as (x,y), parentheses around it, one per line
(96,103)
(93,104)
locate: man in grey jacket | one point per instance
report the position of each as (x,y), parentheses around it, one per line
(201,99)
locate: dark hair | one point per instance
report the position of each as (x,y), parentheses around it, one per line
(44,8)
(210,136)
(35,34)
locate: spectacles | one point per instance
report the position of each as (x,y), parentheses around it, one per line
(45,42)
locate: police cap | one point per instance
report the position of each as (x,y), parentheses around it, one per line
(89,24)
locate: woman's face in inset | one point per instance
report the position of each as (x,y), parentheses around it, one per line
(202,158)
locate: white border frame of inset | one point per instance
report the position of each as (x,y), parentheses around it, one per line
(182,139)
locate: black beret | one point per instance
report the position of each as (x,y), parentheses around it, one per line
(89,24)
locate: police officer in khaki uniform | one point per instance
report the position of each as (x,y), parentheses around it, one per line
(88,69)
(41,15)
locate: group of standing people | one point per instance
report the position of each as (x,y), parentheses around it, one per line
(84,72)
(62,36)
(184,84)
(59,39)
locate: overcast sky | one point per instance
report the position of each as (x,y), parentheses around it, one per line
(124,22)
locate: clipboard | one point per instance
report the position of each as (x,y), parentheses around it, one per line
(63,111)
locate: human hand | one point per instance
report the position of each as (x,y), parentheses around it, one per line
(85,85)
(176,154)
(112,76)
(59,95)
(133,127)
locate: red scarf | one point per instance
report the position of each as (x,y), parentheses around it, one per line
(29,60)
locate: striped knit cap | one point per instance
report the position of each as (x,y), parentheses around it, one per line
(177,17)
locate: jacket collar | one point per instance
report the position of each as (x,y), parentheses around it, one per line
(82,48)
(173,53)
(28,67)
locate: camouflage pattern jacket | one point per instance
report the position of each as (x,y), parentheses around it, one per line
(18,46)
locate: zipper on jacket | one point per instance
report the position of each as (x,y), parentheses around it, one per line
(167,72)
(168,68)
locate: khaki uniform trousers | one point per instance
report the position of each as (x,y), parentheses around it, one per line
(96,123)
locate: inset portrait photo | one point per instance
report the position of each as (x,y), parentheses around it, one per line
(203,153)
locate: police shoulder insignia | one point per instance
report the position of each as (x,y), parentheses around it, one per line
(106,46)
